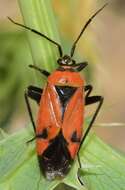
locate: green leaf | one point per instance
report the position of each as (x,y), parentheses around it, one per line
(105,165)
(103,168)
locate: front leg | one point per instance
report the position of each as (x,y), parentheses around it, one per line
(44,72)
(34,93)
(80,66)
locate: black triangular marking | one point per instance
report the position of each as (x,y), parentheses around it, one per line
(65,93)
(56,160)
(75,138)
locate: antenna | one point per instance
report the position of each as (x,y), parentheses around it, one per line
(83,29)
(40,34)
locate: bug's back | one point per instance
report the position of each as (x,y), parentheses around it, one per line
(59,123)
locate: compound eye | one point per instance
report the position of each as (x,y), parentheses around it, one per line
(59,61)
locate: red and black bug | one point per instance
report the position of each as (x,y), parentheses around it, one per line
(59,126)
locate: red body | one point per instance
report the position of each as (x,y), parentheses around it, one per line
(50,113)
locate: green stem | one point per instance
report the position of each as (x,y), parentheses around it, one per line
(38,14)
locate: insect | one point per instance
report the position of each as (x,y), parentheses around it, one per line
(59,126)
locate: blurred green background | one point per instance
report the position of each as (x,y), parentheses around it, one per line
(102,45)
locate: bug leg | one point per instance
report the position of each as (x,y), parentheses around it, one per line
(44,72)
(89,100)
(29,110)
(80,166)
(80,66)
(31,140)
(35,94)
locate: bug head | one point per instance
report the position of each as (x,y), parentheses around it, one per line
(66,60)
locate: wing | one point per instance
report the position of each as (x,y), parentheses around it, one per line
(49,118)
(73,121)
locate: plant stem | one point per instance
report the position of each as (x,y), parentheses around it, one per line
(38,14)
